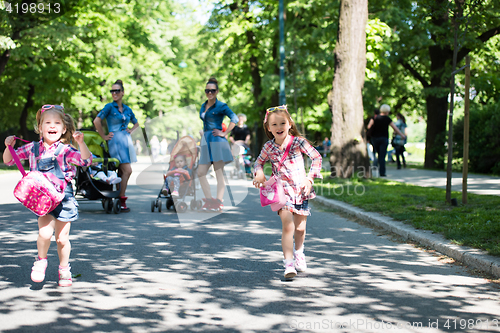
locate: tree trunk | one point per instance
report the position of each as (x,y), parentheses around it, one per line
(349,155)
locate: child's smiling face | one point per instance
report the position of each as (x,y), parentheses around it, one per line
(278,125)
(51,127)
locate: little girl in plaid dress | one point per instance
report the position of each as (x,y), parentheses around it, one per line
(281,129)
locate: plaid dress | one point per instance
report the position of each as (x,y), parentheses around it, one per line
(292,172)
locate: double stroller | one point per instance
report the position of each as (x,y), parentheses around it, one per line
(185,149)
(90,187)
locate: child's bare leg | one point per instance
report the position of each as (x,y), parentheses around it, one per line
(63,243)
(287,233)
(219,175)
(46,225)
(202,176)
(300,230)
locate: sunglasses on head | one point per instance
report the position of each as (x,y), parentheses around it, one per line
(210,91)
(275,108)
(50,106)
(115,91)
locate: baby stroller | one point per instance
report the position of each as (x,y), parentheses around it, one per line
(242,160)
(186,147)
(92,188)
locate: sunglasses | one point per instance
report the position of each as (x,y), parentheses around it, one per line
(281,107)
(275,108)
(50,106)
(210,91)
(115,91)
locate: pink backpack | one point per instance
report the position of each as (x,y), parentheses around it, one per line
(36,190)
(272,193)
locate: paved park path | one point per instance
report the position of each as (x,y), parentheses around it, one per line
(200,272)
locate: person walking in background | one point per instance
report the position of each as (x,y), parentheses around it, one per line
(241,132)
(54,153)
(240,140)
(369,145)
(118,116)
(282,131)
(214,145)
(380,136)
(398,142)
(326,146)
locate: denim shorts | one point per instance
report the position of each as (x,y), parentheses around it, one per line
(303,206)
(67,210)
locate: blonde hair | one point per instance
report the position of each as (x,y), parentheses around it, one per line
(293,128)
(69,124)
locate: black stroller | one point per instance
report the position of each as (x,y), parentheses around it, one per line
(90,187)
(186,147)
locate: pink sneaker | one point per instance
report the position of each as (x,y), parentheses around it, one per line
(38,270)
(290,271)
(175,194)
(300,261)
(65,277)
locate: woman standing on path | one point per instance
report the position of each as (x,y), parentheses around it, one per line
(380,136)
(214,146)
(118,116)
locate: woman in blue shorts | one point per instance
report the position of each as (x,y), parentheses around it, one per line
(118,116)
(214,146)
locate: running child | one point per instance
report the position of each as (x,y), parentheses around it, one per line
(281,129)
(56,131)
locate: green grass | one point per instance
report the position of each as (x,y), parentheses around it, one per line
(476,224)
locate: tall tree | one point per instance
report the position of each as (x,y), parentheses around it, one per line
(424,50)
(348,150)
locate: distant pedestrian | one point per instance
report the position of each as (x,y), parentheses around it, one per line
(369,145)
(56,154)
(399,142)
(326,146)
(380,136)
(282,131)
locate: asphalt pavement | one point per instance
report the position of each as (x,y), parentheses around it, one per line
(149,271)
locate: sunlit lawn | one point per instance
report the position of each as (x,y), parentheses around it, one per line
(476,224)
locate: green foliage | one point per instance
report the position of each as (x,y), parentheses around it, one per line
(73,59)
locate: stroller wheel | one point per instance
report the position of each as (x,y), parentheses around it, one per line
(117,207)
(181,207)
(193,205)
(199,204)
(158,204)
(103,201)
(152,206)
(108,205)
(170,203)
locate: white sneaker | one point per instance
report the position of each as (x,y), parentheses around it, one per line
(300,261)
(290,271)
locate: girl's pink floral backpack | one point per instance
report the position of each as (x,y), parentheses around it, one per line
(36,191)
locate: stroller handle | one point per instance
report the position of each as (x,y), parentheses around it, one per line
(101,160)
